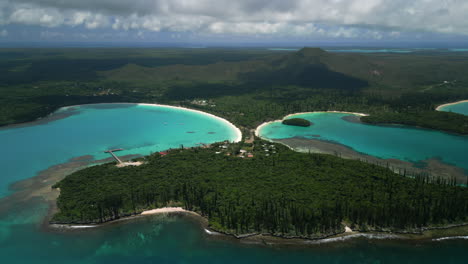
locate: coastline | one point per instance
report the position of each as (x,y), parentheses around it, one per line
(257,130)
(430,234)
(157,211)
(434,167)
(26,189)
(236,129)
(165,210)
(439,108)
(238,132)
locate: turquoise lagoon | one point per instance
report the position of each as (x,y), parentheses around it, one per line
(92,129)
(387,142)
(461,108)
(88,130)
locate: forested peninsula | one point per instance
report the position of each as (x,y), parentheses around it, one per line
(445,121)
(282,193)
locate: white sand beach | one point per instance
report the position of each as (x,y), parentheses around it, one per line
(237,130)
(439,108)
(166,210)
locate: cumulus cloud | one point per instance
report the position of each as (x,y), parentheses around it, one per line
(334,18)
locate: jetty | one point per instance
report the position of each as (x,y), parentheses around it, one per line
(120,163)
(111,151)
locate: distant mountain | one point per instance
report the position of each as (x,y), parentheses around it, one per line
(308,67)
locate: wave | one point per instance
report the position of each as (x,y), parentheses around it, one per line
(348,237)
(209,232)
(450,238)
(73,226)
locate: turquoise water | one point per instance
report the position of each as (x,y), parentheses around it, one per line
(92,129)
(154,239)
(387,142)
(461,108)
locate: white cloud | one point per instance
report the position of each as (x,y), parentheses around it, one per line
(249,17)
(34,16)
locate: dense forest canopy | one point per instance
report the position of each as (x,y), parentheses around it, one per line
(283,193)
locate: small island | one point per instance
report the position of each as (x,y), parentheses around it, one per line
(297,122)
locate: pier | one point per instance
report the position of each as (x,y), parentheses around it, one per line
(120,163)
(111,151)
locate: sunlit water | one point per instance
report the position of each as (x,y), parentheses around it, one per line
(387,142)
(155,239)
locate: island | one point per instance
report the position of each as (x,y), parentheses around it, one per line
(297,122)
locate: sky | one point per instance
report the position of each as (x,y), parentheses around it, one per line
(282,22)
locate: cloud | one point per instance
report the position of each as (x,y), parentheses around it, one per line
(334,18)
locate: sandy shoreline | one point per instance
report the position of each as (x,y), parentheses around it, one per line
(439,108)
(257,130)
(236,129)
(166,210)
(157,211)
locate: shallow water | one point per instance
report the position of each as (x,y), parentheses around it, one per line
(461,108)
(156,239)
(387,142)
